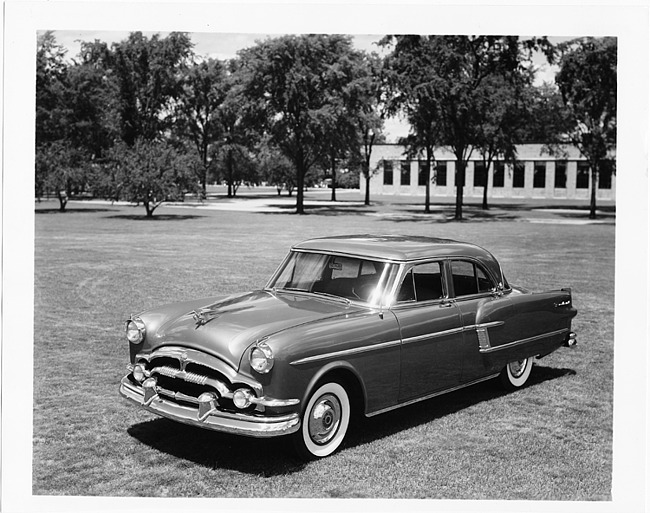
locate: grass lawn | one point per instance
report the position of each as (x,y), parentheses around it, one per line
(95,265)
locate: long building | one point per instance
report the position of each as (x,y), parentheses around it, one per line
(535,175)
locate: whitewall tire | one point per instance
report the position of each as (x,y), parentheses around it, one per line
(324,421)
(516,374)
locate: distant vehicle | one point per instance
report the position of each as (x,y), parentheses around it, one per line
(346,325)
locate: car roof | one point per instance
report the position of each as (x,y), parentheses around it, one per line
(399,248)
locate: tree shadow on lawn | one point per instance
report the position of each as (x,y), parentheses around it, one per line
(71,210)
(268,457)
(322,210)
(160,217)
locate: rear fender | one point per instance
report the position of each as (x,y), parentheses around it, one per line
(540,324)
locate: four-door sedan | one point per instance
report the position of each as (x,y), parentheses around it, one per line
(346,325)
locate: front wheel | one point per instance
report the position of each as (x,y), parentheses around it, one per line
(325,422)
(516,373)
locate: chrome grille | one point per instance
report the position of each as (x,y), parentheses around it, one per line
(178,384)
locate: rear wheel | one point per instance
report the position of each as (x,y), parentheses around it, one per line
(516,373)
(325,421)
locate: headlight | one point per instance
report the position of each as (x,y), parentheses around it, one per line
(261,358)
(135,330)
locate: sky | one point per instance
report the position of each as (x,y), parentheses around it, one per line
(225,46)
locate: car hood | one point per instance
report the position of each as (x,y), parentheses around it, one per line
(226,327)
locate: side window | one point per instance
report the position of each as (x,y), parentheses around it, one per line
(422,283)
(469,278)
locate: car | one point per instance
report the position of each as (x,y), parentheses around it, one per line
(348,326)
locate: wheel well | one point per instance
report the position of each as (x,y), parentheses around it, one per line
(351,384)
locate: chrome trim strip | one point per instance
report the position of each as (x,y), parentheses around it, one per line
(452,331)
(345,254)
(524,341)
(430,396)
(437,334)
(346,352)
(492,324)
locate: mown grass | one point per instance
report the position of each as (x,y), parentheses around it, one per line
(93,267)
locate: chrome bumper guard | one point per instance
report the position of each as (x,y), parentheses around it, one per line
(571,340)
(207,416)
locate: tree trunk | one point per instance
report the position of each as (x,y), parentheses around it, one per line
(333,165)
(300,195)
(367,175)
(594,188)
(485,186)
(427,189)
(63,201)
(460,182)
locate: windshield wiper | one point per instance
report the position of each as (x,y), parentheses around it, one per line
(332,296)
(303,291)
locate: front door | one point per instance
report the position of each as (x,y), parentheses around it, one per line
(431,332)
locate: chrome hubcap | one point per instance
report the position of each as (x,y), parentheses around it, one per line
(324,419)
(518,368)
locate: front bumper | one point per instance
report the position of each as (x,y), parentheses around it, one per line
(235,423)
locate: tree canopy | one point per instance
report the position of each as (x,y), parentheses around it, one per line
(313,103)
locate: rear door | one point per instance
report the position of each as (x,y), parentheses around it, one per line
(487,317)
(431,332)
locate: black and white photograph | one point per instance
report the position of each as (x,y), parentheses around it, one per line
(298,257)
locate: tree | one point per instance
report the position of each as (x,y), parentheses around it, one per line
(148,72)
(239,134)
(204,92)
(275,168)
(501,117)
(60,168)
(59,158)
(51,76)
(149,172)
(545,118)
(91,96)
(412,92)
(368,93)
(290,82)
(456,67)
(587,82)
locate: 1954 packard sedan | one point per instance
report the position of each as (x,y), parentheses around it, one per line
(346,325)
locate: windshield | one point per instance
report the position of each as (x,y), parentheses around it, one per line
(350,278)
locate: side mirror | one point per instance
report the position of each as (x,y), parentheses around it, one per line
(498,290)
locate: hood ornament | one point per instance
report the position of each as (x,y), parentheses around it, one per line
(201,317)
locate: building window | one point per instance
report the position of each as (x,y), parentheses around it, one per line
(605,171)
(519,175)
(405,178)
(539,175)
(582,177)
(480,178)
(388,172)
(423,169)
(560,174)
(441,173)
(499,174)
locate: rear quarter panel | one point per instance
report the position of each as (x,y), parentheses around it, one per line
(539,324)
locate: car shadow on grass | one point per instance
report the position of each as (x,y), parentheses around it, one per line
(274,456)
(257,456)
(438,407)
